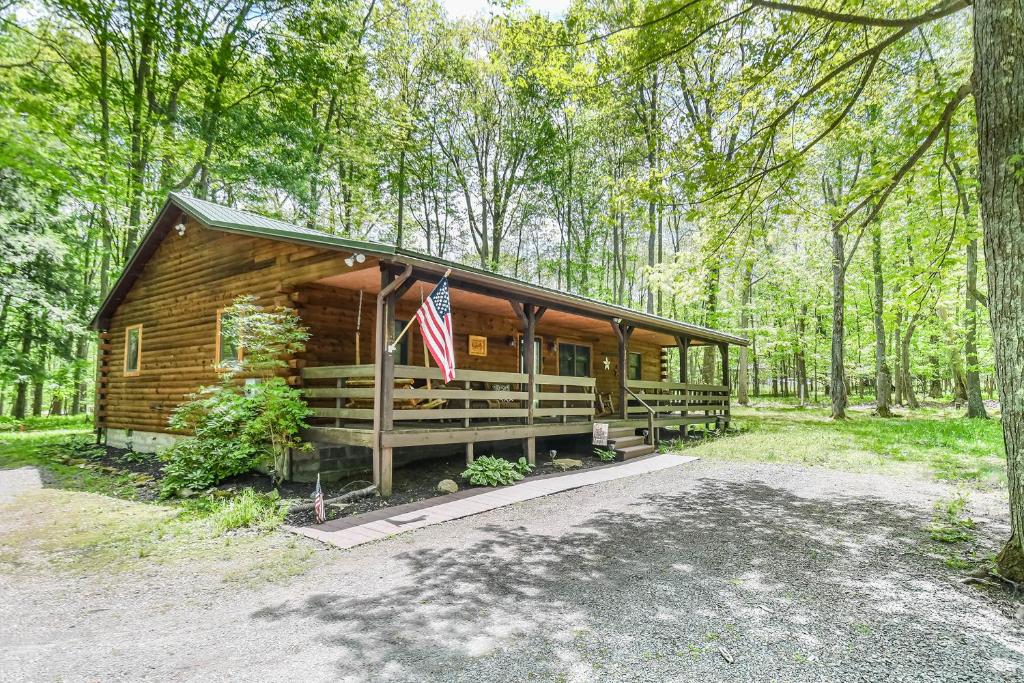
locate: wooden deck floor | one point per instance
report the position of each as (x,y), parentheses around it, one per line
(426,434)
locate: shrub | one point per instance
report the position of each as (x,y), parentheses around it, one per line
(604,454)
(237,428)
(490,471)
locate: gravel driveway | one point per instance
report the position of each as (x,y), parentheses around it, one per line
(796,574)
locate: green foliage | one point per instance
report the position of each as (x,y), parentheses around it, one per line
(248,510)
(942,442)
(604,454)
(523,466)
(237,427)
(49,422)
(488,470)
(951,524)
(264,334)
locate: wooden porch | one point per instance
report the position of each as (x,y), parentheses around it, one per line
(487,406)
(578,364)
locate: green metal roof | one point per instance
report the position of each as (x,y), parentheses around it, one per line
(225,218)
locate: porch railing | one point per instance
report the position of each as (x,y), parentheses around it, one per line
(669,400)
(474,395)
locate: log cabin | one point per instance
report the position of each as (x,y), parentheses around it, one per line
(532,362)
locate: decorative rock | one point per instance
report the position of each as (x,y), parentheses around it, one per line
(186,492)
(447,486)
(564,464)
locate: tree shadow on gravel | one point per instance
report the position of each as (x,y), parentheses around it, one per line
(789,588)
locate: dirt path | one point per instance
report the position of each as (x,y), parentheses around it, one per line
(798,574)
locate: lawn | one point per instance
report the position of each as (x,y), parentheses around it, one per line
(94,518)
(939,443)
(97,519)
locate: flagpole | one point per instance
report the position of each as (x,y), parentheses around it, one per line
(394,344)
(426,354)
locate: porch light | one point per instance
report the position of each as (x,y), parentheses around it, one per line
(354,259)
(511,341)
(180,227)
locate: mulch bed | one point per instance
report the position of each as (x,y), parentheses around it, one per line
(412,483)
(143,468)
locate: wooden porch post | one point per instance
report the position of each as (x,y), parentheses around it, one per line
(528,315)
(684,374)
(623,332)
(724,348)
(384,373)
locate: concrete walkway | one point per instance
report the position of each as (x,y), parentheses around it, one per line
(349,532)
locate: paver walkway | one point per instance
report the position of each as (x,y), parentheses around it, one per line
(349,532)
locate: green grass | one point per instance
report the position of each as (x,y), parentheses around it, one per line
(68,457)
(87,520)
(939,442)
(48,423)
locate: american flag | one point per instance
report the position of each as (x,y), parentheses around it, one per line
(318,502)
(435,316)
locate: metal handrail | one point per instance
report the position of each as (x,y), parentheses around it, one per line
(652,435)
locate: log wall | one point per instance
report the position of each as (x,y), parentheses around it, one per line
(189,278)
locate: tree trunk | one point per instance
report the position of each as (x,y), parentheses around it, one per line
(999,105)
(975,404)
(883,379)
(934,382)
(757,367)
(20,407)
(908,379)
(401,196)
(742,361)
(838,372)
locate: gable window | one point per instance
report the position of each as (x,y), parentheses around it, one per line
(132,350)
(573,360)
(636,364)
(229,353)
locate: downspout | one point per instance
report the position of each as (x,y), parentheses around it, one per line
(380,348)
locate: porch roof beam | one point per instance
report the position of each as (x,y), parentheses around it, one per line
(470,282)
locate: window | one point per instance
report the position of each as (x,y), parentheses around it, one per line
(636,364)
(573,360)
(229,353)
(132,350)
(537,346)
(402,350)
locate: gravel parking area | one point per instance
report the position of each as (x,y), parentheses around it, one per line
(709,571)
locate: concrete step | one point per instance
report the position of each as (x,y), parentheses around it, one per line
(620,442)
(635,451)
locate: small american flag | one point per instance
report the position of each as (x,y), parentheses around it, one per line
(318,502)
(435,316)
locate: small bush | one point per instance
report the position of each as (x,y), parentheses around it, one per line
(238,427)
(604,454)
(490,471)
(199,463)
